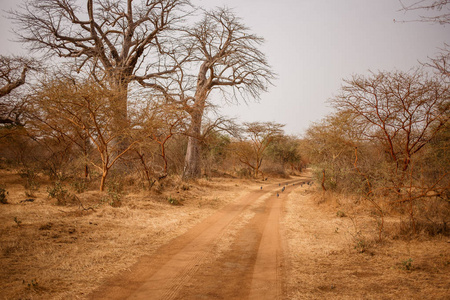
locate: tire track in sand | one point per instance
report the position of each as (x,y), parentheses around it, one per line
(183,269)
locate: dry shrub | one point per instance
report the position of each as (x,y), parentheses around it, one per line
(244,173)
(404,230)
(274,170)
(336,200)
(365,217)
(80,245)
(431,215)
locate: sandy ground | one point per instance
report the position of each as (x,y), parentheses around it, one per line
(335,257)
(229,240)
(234,254)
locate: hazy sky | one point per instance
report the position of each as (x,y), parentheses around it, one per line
(313,45)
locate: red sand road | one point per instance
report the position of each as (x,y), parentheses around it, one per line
(194,265)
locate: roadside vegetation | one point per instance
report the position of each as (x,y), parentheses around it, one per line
(386,143)
(118,144)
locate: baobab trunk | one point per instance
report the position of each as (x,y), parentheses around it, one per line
(119,105)
(119,100)
(192,163)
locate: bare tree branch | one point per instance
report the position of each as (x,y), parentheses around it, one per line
(227,58)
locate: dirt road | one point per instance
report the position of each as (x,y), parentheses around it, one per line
(237,253)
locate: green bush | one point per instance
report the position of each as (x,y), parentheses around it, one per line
(407,264)
(173,201)
(341,214)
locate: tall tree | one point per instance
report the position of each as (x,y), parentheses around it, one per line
(113,37)
(329,145)
(226,56)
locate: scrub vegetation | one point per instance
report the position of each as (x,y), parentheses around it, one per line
(110,147)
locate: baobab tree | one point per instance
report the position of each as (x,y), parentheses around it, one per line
(120,41)
(226,57)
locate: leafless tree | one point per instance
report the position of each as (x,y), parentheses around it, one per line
(115,38)
(404,111)
(163,121)
(50,128)
(439,9)
(13,72)
(439,13)
(255,138)
(442,61)
(227,58)
(83,106)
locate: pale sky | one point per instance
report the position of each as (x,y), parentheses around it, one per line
(312,45)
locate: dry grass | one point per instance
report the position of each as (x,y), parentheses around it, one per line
(334,253)
(63,252)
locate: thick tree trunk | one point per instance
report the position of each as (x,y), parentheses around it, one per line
(192,163)
(192,167)
(119,105)
(119,101)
